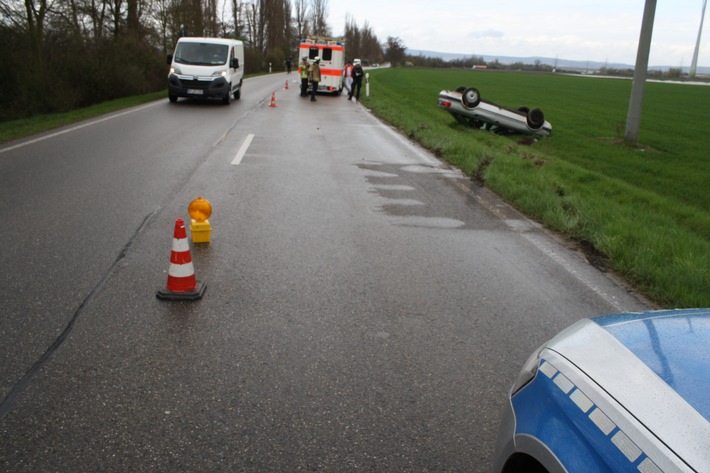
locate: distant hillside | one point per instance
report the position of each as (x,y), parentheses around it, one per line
(554,62)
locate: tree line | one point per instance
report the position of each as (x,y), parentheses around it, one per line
(60,55)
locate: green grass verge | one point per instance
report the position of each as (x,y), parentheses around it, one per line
(644,209)
(15,129)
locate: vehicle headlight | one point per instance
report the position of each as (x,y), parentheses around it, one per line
(222,73)
(528,371)
(175,70)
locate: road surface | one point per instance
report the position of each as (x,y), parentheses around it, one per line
(367,306)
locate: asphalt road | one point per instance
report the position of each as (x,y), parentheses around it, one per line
(367,306)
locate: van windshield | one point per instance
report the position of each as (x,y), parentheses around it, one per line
(201,54)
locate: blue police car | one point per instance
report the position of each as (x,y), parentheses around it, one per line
(621,393)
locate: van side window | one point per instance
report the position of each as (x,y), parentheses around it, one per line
(327,54)
(312,53)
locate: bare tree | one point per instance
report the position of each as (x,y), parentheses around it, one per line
(369,45)
(319,17)
(362,42)
(35,19)
(352,36)
(301,15)
(275,24)
(212,27)
(394,51)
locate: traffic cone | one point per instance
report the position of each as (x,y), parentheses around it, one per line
(182,285)
(286,86)
(273,100)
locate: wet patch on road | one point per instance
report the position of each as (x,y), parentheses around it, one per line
(420,195)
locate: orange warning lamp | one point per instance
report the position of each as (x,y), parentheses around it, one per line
(200,210)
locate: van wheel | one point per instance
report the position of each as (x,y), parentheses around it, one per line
(227,96)
(172,98)
(536,119)
(238,94)
(471,97)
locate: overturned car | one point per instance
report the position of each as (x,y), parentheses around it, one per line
(466,106)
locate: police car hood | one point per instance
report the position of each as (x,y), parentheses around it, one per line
(657,366)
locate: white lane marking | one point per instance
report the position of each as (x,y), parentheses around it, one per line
(243,150)
(78,127)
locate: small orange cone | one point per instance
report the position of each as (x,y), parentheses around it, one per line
(273,100)
(286,86)
(182,285)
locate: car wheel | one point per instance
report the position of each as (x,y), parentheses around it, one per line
(471,97)
(227,96)
(238,94)
(172,98)
(535,118)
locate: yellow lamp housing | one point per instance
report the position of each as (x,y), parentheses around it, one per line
(200,210)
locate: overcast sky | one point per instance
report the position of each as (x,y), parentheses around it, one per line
(601,30)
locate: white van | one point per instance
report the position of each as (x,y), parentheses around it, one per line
(206,68)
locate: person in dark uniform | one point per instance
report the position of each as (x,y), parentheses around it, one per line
(357,75)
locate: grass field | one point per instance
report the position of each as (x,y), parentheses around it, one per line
(642,210)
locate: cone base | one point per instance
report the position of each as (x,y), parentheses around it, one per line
(168,295)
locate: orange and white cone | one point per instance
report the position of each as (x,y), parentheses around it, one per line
(273,100)
(182,284)
(286,86)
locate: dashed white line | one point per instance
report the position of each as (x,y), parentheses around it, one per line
(243,150)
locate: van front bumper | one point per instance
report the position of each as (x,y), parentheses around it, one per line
(194,86)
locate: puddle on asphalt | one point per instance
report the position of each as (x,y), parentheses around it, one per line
(393,198)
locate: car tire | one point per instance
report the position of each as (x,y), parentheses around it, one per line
(172,98)
(227,98)
(238,93)
(536,119)
(471,97)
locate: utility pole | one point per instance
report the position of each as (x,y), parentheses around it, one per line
(694,64)
(633,118)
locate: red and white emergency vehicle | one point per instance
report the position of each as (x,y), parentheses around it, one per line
(332,61)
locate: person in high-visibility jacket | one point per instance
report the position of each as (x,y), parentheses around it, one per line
(304,76)
(314,77)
